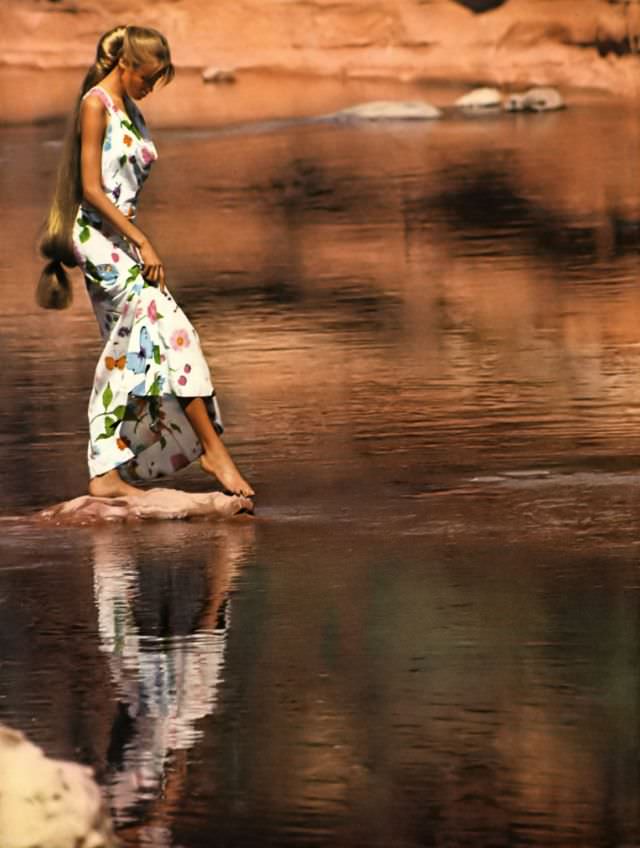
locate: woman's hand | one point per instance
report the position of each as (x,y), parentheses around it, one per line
(153,269)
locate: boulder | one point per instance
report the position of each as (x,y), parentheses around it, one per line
(388,110)
(151,504)
(220,75)
(515,103)
(480,98)
(541,99)
(47,803)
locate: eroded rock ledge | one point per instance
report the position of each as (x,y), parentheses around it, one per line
(546,42)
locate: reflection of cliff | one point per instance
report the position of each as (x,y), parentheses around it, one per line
(430,697)
(581,42)
(325,265)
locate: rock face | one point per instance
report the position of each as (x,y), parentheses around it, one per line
(48,803)
(497,41)
(513,44)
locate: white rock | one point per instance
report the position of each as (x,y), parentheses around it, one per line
(543,99)
(213,74)
(514,103)
(480,98)
(539,99)
(389,110)
(48,803)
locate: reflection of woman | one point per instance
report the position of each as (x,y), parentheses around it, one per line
(153,407)
(163,628)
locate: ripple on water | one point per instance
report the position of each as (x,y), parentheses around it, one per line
(425,347)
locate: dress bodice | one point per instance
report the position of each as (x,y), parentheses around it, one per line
(127,153)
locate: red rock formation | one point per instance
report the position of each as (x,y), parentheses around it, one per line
(587,43)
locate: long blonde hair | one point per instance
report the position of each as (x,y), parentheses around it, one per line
(136,46)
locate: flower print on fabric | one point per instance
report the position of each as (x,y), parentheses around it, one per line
(106,144)
(180,339)
(152,312)
(136,422)
(183,379)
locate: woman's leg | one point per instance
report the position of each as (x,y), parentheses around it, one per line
(111,485)
(215,459)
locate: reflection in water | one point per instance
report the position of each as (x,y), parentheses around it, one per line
(481,201)
(414,654)
(384,294)
(163,626)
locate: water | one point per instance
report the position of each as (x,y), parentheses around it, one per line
(425,343)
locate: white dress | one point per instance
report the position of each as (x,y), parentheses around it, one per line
(152,353)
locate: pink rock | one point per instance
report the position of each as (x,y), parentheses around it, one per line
(151,504)
(48,803)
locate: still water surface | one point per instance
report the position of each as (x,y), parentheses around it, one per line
(425,342)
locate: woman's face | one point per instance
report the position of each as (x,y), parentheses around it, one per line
(139,80)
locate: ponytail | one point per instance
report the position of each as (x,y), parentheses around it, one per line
(54,286)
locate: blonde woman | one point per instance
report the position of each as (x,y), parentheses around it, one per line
(153,408)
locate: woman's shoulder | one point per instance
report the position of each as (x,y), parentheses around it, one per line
(93,113)
(96,100)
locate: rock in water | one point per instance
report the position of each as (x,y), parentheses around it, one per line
(541,99)
(388,110)
(514,103)
(480,98)
(48,803)
(153,503)
(213,74)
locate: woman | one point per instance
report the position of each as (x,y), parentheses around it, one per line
(153,408)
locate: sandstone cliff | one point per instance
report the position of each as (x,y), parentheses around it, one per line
(584,43)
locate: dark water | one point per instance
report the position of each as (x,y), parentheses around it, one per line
(425,340)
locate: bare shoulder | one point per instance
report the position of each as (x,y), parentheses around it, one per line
(92,105)
(93,114)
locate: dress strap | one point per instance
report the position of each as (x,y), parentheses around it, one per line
(107,102)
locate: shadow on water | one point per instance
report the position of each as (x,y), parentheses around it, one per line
(425,344)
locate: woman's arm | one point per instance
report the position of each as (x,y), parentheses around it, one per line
(93,122)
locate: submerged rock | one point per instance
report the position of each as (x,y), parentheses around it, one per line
(540,99)
(480,98)
(48,803)
(389,110)
(154,503)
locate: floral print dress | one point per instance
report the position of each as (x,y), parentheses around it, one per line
(152,354)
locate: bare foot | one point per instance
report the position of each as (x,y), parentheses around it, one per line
(111,485)
(219,464)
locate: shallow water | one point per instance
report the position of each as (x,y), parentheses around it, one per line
(424,339)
